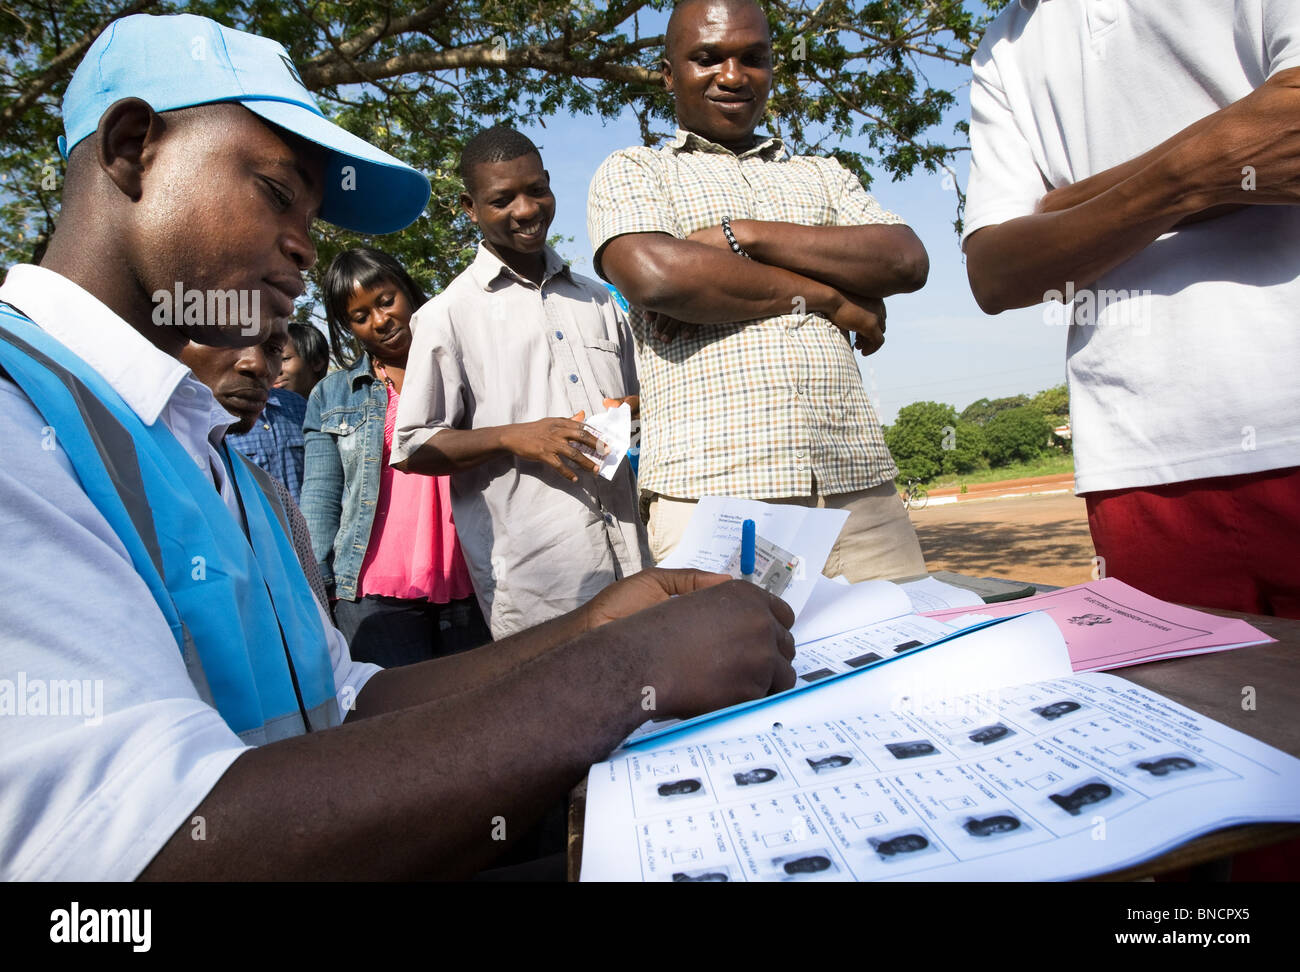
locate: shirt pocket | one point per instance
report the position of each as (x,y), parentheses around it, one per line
(607,366)
(347,426)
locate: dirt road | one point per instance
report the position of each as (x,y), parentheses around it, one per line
(1029,538)
(1008,487)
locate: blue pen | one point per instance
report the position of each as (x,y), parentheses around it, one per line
(747,536)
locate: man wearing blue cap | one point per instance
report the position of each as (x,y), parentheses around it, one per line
(177,694)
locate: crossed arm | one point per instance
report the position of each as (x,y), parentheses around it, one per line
(841,272)
(1084,230)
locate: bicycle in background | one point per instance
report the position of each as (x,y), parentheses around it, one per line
(915,495)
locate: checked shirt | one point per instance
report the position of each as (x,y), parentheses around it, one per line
(758,409)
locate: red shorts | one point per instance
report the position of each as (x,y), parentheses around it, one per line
(1230,543)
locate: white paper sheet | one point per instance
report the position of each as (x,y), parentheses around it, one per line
(713,534)
(930,594)
(614,428)
(1058,779)
(834,607)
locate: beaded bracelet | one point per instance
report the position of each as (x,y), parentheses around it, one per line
(731,238)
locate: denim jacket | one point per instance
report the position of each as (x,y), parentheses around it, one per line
(344,434)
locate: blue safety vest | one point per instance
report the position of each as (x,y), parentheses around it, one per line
(237,602)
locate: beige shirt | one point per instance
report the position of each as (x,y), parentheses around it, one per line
(496,349)
(757,408)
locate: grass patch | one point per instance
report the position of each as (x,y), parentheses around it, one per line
(1050,464)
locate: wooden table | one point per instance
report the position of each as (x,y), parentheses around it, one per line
(1212,685)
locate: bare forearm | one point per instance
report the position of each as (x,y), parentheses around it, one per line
(871,261)
(1017,263)
(455,450)
(1080,192)
(1084,230)
(428,790)
(414,685)
(417,792)
(1066,197)
(700,284)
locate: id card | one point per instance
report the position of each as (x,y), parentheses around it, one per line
(774,568)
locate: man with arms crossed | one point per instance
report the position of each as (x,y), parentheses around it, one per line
(746,269)
(223,681)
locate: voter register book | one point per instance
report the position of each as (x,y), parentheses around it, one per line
(1056,779)
(967,751)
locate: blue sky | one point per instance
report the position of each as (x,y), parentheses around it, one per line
(940,345)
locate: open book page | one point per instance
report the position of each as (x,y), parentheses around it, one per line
(833,607)
(1059,779)
(932,594)
(1007,652)
(837,606)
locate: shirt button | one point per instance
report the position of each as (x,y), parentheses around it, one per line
(343,426)
(559,335)
(798,455)
(573,378)
(609,519)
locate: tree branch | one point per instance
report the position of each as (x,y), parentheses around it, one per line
(317,76)
(63,64)
(372,35)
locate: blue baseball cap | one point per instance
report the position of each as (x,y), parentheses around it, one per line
(184,60)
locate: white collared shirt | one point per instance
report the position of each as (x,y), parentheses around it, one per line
(1181,358)
(496,349)
(96,789)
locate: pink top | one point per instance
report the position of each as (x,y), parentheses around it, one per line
(413,552)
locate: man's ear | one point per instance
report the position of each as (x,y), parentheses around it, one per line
(123,139)
(467,204)
(666,68)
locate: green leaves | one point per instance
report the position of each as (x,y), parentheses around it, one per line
(1017,434)
(918,437)
(928,438)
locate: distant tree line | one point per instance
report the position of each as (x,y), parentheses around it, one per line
(929,439)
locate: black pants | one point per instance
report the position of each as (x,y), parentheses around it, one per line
(390,631)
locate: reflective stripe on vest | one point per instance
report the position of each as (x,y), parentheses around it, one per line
(240,609)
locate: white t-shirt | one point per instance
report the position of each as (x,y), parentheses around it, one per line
(1183,359)
(105,747)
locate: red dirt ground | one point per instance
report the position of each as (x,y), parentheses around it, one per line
(1041,539)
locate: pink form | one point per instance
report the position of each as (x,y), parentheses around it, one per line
(1107,624)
